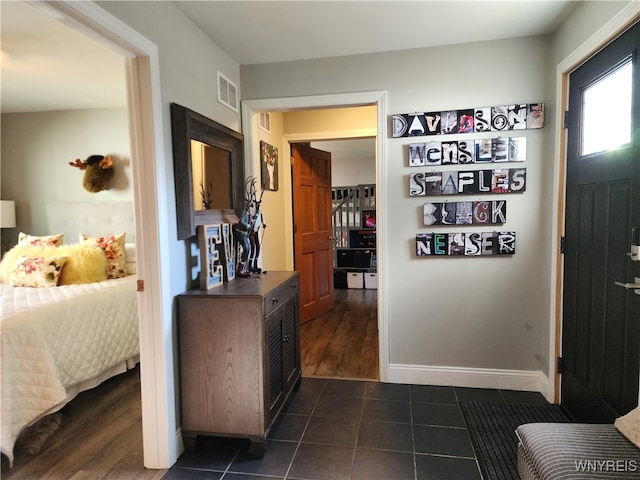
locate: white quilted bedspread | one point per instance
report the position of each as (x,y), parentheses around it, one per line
(55,338)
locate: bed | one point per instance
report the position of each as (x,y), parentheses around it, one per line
(59,341)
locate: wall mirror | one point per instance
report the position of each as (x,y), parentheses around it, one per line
(208,166)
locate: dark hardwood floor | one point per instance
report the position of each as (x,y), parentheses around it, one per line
(101,432)
(343,343)
(100,437)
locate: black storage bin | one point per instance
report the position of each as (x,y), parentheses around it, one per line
(344,258)
(362,258)
(339,279)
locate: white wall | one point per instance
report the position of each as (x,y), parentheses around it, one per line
(350,167)
(36,149)
(188,64)
(487,314)
(277,240)
(483,313)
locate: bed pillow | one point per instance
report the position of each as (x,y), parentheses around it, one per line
(37,271)
(629,426)
(130,254)
(10,259)
(44,240)
(113,246)
(85,264)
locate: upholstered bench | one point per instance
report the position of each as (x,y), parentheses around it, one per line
(577,451)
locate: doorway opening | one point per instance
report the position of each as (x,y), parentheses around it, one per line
(160,446)
(341,339)
(600,336)
(375,298)
(565,68)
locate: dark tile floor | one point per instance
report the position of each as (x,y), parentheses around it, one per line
(342,429)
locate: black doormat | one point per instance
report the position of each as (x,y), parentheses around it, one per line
(492,428)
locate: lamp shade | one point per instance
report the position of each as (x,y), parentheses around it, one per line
(7,214)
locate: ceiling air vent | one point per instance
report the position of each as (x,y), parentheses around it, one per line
(227,92)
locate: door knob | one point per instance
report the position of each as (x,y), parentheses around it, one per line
(628,286)
(631,286)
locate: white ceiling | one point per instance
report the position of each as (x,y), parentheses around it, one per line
(48,66)
(267,31)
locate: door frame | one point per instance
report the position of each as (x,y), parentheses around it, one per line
(608,32)
(162,441)
(250,108)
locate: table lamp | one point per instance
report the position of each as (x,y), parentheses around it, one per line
(7,214)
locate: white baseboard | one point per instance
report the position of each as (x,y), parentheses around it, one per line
(179,442)
(524,380)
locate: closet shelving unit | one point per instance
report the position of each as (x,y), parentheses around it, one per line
(354,237)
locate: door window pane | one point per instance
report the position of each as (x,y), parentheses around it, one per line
(606,112)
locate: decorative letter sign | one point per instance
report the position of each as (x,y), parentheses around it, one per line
(434,152)
(472,120)
(484,150)
(465,244)
(211,272)
(217,262)
(502,180)
(465,213)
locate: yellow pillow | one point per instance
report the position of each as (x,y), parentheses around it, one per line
(37,271)
(113,246)
(85,263)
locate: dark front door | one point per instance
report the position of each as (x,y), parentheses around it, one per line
(601,320)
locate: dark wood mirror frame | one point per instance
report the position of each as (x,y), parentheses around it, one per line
(187,125)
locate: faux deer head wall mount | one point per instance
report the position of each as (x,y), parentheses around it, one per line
(98,172)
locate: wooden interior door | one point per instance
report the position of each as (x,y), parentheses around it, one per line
(601,320)
(312,234)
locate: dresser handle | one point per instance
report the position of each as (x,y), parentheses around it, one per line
(274,301)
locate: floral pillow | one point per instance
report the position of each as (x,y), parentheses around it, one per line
(113,246)
(37,271)
(45,241)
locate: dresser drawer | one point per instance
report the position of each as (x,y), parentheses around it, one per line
(279,296)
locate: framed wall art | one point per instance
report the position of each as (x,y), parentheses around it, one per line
(269,166)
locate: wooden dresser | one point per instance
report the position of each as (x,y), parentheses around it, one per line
(239,356)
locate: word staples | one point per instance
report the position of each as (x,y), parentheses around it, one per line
(502,180)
